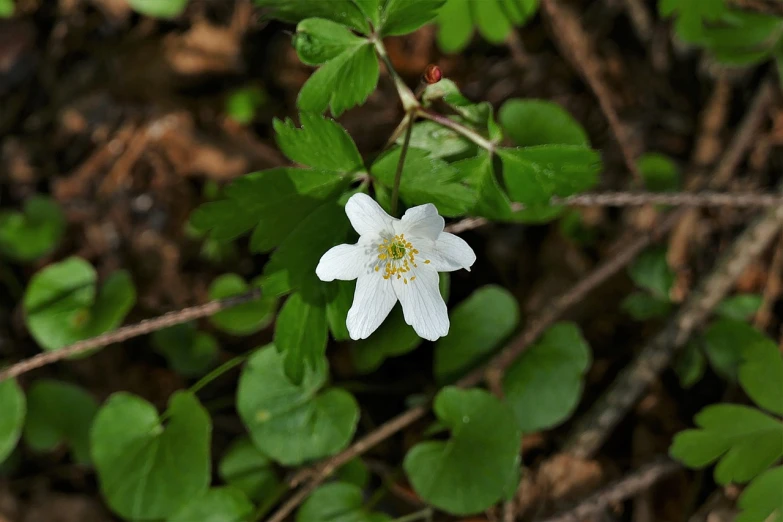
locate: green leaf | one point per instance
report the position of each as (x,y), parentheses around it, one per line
(659,172)
(247,469)
(724,343)
(341,83)
(343,12)
(273,202)
(6,11)
(652,272)
(761,374)
(405,16)
(159,8)
(246,318)
(318,40)
(492,22)
(337,308)
(301,335)
(13,406)
(455,26)
(225,504)
(371,9)
(33,233)
(691,16)
(478,325)
(478,173)
(425,179)
(471,471)
(59,412)
(690,365)
(337,502)
(762,498)
(146,470)
(479,115)
(740,307)
(439,141)
(321,143)
(534,174)
(354,472)
(242,104)
(61,306)
(494,18)
(293,423)
(744,440)
(545,383)
(540,122)
(189,352)
(643,306)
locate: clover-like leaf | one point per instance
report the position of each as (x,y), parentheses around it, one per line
(226,504)
(478,325)
(301,335)
(246,318)
(761,374)
(320,142)
(540,122)
(33,233)
(189,352)
(148,470)
(762,499)
(246,468)
(744,440)
(59,412)
(545,383)
(471,471)
(159,8)
(337,502)
(293,423)
(13,406)
(493,18)
(61,306)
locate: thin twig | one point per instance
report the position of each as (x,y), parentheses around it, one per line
(128,332)
(400,165)
(624,488)
(766,7)
(684,199)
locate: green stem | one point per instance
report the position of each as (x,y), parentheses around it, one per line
(217,372)
(408,99)
(472,135)
(398,175)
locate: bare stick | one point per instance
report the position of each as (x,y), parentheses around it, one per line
(767,7)
(128,332)
(626,487)
(684,199)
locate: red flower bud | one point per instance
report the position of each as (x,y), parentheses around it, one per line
(432,74)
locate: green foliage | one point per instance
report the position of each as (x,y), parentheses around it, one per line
(471,471)
(225,504)
(301,335)
(643,306)
(540,122)
(652,273)
(188,352)
(242,104)
(345,12)
(659,172)
(57,413)
(762,498)
(724,342)
(354,472)
(740,307)
(159,8)
(293,423)
(337,502)
(405,16)
(33,233)
(439,141)
(690,365)
(478,325)
(493,18)
(13,406)
(61,305)
(247,469)
(246,318)
(545,383)
(320,143)
(761,375)
(6,11)
(146,470)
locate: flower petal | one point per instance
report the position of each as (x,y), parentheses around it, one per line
(344,262)
(447,254)
(367,217)
(373,300)
(422,304)
(422,221)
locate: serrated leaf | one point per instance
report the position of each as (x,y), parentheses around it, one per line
(724,343)
(59,412)
(478,325)
(159,8)
(246,318)
(301,335)
(337,502)
(652,272)
(425,180)
(13,406)
(146,470)
(534,174)
(405,16)
(545,383)
(32,233)
(643,306)
(439,141)
(246,468)
(61,306)
(740,307)
(540,122)
(293,423)
(491,201)
(744,440)
(318,40)
(761,374)
(341,83)
(188,352)
(343,12)
(273,202)
(320,142)
(659,172)
(224,504)
(469,472)
(762,498)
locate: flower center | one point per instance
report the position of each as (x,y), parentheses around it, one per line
(397,256)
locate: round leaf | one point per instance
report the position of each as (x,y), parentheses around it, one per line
(33,233)
(724,342)
(247,469)
(540,122)
(761,374)
(243,319)
(293,423)
(146,470)
(471,471)
(12,404)
(337,502)
(189,352)
(217,505)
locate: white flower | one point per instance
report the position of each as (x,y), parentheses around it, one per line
(396,259)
